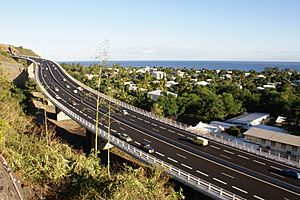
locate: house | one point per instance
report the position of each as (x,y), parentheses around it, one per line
(90,76)
(249,119)
(269,86)
(143,70)
(221,125)
(261,76)
(280,120)
(156,93)
(158,74)
(171,83)
(202,83)
(179,73)
(284,143)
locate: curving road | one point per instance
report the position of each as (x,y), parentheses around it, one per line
(245,174)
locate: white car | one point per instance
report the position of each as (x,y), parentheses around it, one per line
(68,86)
(80,88)
(125,137)
(125,112)
(75,91)
(57,97)
(64,79)
(56,89)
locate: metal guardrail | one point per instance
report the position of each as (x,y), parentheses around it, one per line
(181,175)
(184,127)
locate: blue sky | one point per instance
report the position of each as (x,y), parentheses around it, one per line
(155,29)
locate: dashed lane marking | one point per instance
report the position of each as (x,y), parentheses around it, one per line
(159,154)
(202,173)
(186,166)
(225,156)
(220,181)
(259,162)
(181,135)
(239,189)
(277,175)
(172,160)
(215,147)
(137,143)
(228,175)
(171,131)
(154,124)
(243,157)
(162,127)
(228,152)
(255,196)
(147,121)
(182,156)
(147,140)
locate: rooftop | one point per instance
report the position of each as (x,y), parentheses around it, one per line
(274,136)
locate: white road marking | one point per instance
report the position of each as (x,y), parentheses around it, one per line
(275,168)
(162,127)
(132,120)
(147,121)
(181,155)
(277,175)
(225,156)
(202,173)
(155,129)
(105,126)
(154,124)
(220,181)
(228,152)
(181,135)
(215,147)
(113,130)
(259,162)
(133,116)
(137,143)
(243,157)
(228,175)
(172,160)
(186,166)
(147,140)
(239,189)
(159,154)
(122,128)
(255,196)
(140,118)
(171,131)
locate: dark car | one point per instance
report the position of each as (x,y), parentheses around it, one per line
(147,147)
(290,173)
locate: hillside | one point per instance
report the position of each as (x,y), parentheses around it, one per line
(11,67)
(50,169)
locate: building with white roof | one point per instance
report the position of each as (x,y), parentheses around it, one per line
(156,93)
(171,83)
(285,143)
(158,74)
(249,119)
(202,83)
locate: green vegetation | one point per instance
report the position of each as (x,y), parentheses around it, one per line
(60,172)
(228,93)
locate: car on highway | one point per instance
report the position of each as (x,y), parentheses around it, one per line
(64,79)
(290,173)
(198,140)
(147,147)
(74,103)
(68,86)
(75,91)
(56,89)
(80,88)
(125,137)
(57,97)
(125,112)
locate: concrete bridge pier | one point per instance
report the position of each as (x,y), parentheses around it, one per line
(30,69)
(60,115)
(102,144)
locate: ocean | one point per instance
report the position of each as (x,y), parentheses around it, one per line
(227,65)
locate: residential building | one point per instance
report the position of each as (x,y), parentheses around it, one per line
(158,74)
(249,119)
(284,143)
(221,125)
(171,83)
(202,83)
(156,93)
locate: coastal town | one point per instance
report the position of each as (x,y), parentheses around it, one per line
(255,108)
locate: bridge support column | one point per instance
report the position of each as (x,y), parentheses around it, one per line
(30,69)
(102,144)
(60,115)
